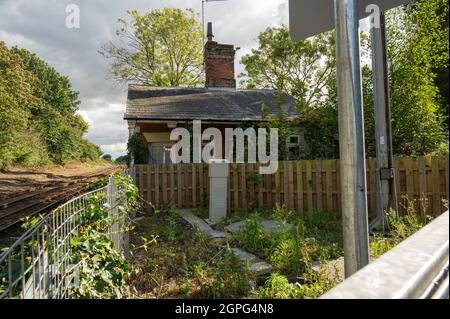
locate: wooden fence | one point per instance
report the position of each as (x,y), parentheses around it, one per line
(299,185)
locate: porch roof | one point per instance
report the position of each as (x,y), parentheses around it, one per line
(206,104)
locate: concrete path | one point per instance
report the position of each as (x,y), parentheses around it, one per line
(201,225)
(259,267)
(256,265)
(270,226)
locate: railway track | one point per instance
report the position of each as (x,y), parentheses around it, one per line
(14,208)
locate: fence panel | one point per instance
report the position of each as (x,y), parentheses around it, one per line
(38,265)
(299,185)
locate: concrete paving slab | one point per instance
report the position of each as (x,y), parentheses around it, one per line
(201,225)
(244,256)
(261,268)
(255,264)
(270,226)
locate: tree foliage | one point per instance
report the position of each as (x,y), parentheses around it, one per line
(161,48)
(38,116)
(299,68)
(16,101)
(417,49)
(417,45)
(137,149)
(430,21)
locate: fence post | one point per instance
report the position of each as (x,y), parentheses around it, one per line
(115,227)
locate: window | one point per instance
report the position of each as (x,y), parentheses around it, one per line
(294,147)
(160,153)
(294,139)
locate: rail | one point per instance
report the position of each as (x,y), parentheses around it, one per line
(38,265)
(416,269)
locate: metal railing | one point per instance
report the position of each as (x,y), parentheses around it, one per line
(38,265)
(416,269)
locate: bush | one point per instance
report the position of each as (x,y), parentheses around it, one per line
(232,279)
(107,157)
(34,150)
(251,236)
(123,160)
(400,228)
(278,287)
(306,238)
(103,271)
(89,151)
(315,285)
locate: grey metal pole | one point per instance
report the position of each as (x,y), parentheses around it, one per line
(386,192)
(351,137)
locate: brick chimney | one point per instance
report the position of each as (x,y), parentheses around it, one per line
(219,63)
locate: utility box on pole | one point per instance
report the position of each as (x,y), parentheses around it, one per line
(218,190)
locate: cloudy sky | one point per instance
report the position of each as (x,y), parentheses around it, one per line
(39,26)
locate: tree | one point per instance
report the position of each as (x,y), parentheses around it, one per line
(107,157)
(38,123)
(418,123)
(429,21)
(54,116)
(16,103)
(162,48)
(414,50)
(124,159)
(417,47)
(301,69)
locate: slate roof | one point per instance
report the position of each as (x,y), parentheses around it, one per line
(150,103)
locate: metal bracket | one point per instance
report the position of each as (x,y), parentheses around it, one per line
(386,173)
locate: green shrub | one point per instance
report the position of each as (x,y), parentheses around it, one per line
(31,149)
(282,214)
(325,230)
(400,228)
(251,236)
(278,287)
(310,237)
(201,212)
(232,279)
(315,284)
(89,151)
(103,271)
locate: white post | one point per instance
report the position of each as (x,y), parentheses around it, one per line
(218,191)
(131,131)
